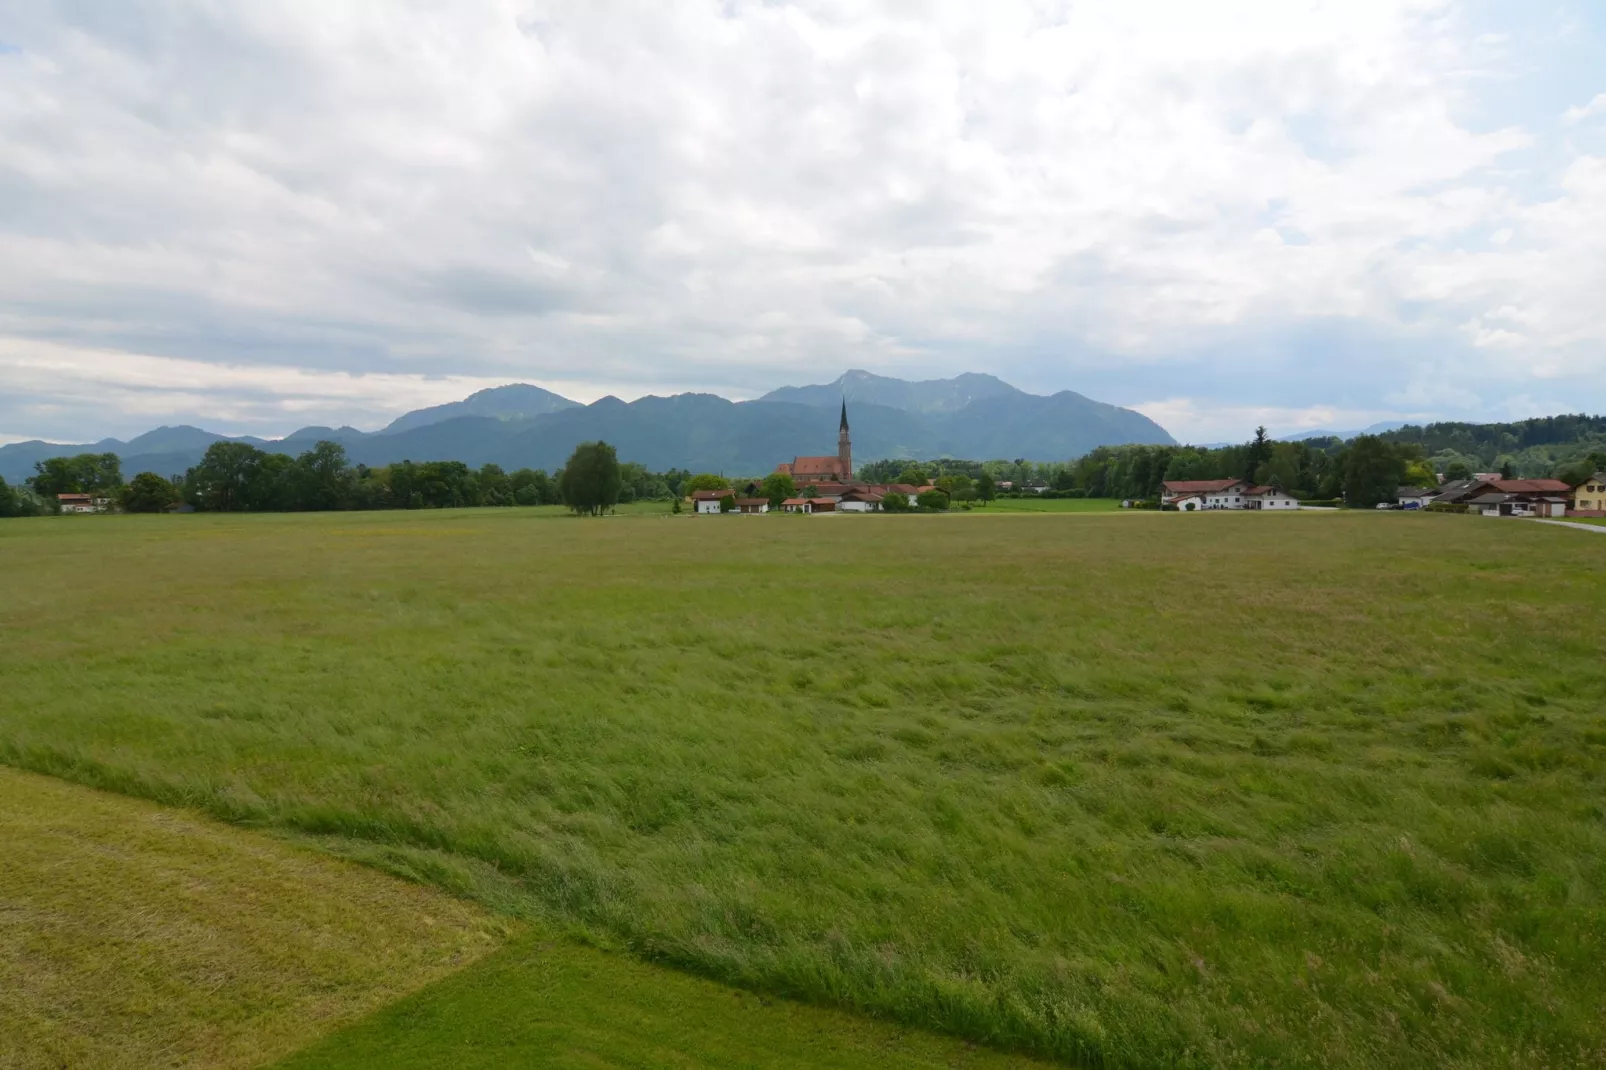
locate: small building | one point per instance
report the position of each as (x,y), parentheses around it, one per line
(1415,497)
(81,503)
(1270,496)
(1589,497)
(859,500)
(707,501)
(752,505)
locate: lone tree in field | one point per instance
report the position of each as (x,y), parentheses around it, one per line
(986,489)
(591,481)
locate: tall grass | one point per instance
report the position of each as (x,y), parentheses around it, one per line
(1126,791)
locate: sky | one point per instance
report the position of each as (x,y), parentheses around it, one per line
(256,217)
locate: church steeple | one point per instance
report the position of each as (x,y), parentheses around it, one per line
(844,445)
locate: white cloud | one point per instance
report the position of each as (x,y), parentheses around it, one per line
(1192,421)
(1596,107)
(730,195)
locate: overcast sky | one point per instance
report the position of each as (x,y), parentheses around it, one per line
(254,217)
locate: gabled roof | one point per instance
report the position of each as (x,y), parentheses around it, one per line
(1528,486)
(1200,486)
(1418,492)
(816,464)
(752,501)
(1598,477)
(75,497)
(709,495)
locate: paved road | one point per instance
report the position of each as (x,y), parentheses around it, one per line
(1599,529)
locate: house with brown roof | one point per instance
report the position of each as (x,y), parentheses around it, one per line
(81,503)
(1197,495)
(707,501)
(752,505)
(1519,497)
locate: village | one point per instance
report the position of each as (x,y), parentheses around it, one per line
(825,485)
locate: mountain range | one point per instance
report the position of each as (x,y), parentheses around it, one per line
(971,416)
(1375,429)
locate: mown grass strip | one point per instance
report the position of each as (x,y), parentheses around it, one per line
(137,936)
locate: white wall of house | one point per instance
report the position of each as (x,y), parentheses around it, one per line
(857,507)
(708,505)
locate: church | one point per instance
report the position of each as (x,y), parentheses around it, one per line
(838,469)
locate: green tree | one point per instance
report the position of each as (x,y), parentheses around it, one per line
(1420,474)
(85,473)
(148,493)
(322,478)
(895,502)
(1456,470)
(727,504)
(227,479)
(986,489)
(591,480)
(703,481)
(1372,472)
(915,475)
(1258,453)
(811,491)
(933,499)
(778,486)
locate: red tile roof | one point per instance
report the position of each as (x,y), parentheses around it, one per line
(709,495)
(752,501)
(1199,486)
(1529,486)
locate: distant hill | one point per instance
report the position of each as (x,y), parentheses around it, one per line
(1375,429)
(512,402)
(970,416)
(927,396)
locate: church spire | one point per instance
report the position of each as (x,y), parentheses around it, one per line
(844,446)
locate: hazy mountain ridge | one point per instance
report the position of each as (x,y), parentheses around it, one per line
(925,396)
(972,416)
(512,402)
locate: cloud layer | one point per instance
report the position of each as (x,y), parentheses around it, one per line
(257,216)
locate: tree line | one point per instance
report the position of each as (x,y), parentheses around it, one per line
(239,477)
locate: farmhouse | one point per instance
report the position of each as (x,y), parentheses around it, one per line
(1589,497)
(1195,495)
(82,503)
(752,505)
(707,501)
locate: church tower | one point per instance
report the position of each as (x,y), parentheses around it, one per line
(844,445)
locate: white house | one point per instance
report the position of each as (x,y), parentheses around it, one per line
(707,501)
(1269,497)
(82,503)
(859,501)
(1195,495)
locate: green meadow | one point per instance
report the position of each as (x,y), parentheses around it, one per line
(1322,789)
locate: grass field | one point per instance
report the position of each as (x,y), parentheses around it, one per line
(131,936)
(1050,505)
(1310,790)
